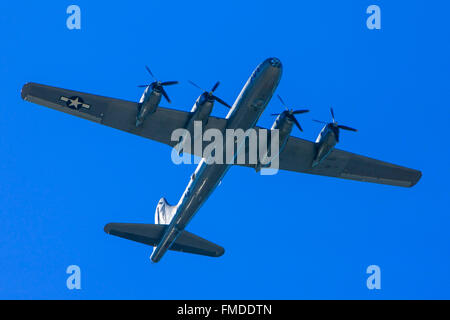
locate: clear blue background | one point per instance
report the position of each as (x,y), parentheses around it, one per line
(288,236)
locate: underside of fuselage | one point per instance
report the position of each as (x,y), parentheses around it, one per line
(244,114)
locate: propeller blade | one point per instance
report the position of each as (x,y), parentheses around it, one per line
(347,128)
(296,122)
(143,86)
(195,85)
(221,101)
(169,83)
(164,93)
(275,114)
(300,111)
(215,86)
(282,102)
(149,71)
(323,122)
(332,114)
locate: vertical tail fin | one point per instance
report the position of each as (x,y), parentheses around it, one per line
(164,212)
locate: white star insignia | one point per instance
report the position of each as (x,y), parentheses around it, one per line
(75,103)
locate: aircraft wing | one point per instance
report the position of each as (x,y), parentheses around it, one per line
(298,155)
(115,113)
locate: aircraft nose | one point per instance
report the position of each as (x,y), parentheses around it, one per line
(274,62)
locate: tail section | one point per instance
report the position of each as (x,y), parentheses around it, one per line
(160,235)
(151,234)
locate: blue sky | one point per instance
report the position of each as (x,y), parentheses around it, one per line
(288,236)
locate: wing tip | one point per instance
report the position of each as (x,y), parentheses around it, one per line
(417,178)
(108,227)
(25,90)
(220,252)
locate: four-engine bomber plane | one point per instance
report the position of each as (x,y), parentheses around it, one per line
(148,120)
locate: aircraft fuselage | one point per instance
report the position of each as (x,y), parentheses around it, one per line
(244,114)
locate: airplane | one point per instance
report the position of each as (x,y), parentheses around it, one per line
(297,155)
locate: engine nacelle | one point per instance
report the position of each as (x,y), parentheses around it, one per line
(164,212)
(148,104)
(325,143)
(284,127)
(200,112)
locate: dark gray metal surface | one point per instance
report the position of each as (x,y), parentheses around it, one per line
(116,113)
(151,234)
(298,155)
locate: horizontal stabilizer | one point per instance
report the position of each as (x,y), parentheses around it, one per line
(151,234)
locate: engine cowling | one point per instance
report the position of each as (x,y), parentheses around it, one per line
(199,112)
(325,143)
(203,106)
(148,104)
(284,127)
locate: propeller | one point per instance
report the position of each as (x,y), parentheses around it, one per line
(335,124)
(290,114)
(158,85)
(210,94)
